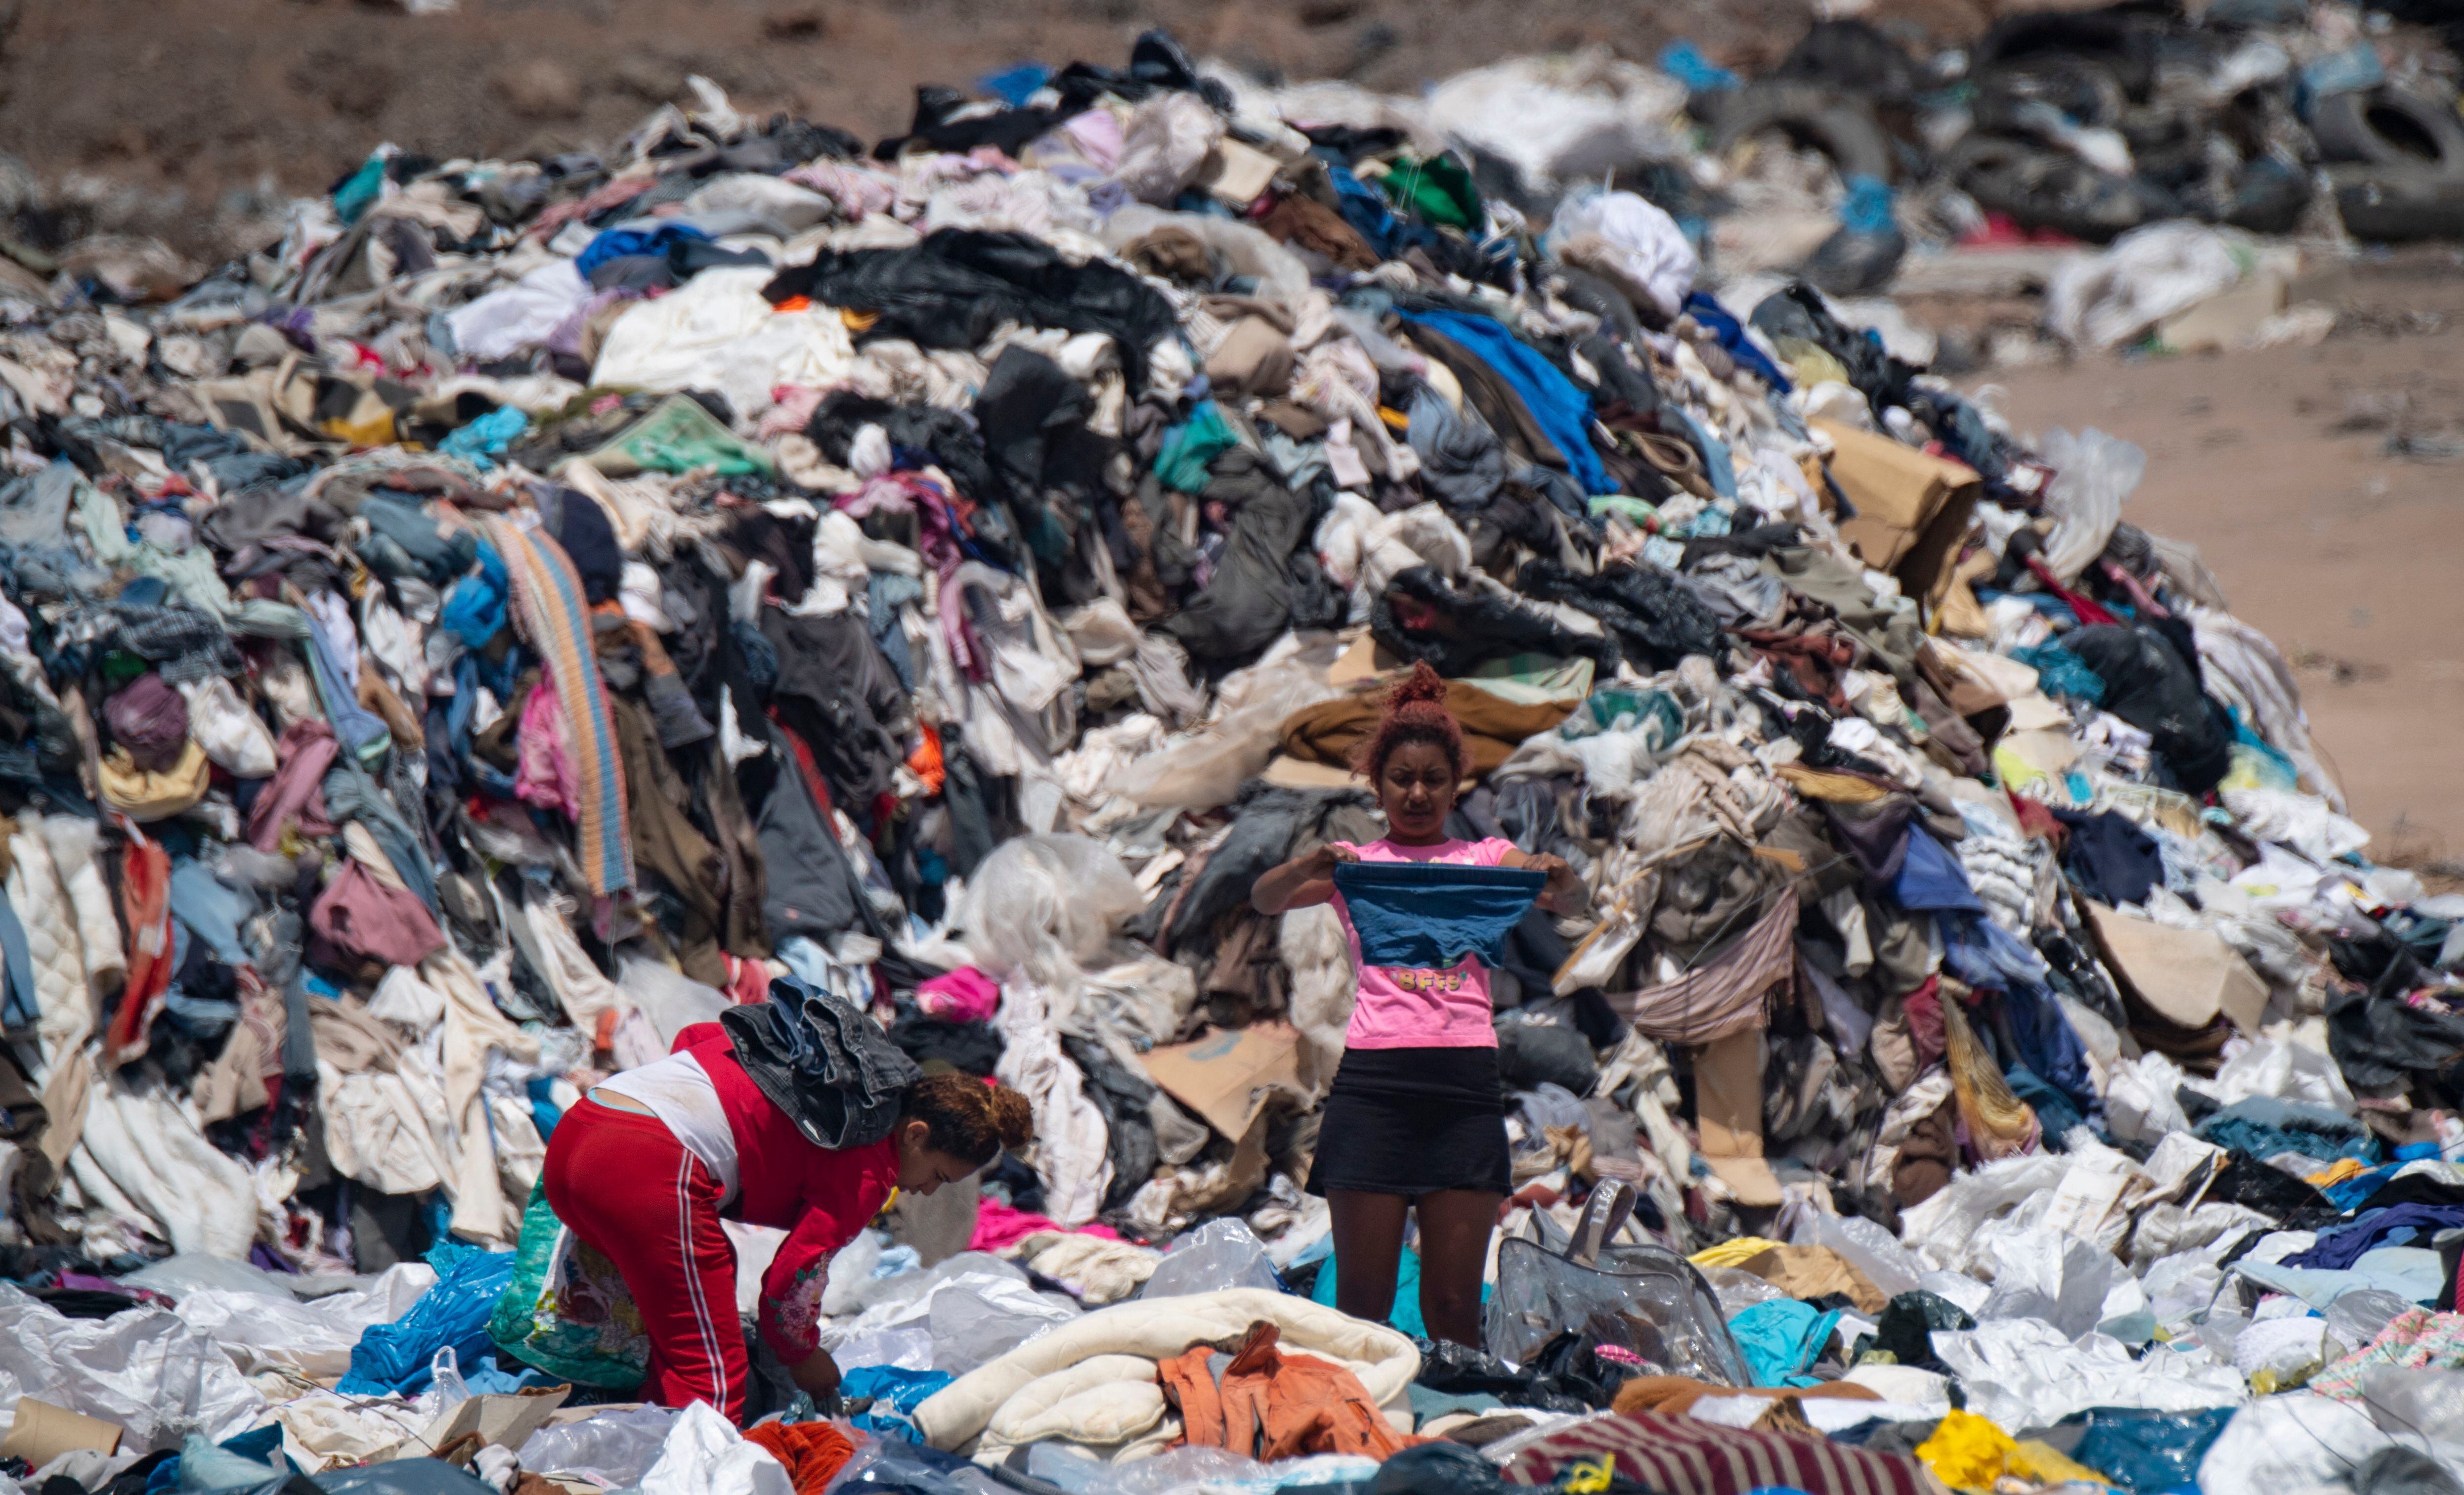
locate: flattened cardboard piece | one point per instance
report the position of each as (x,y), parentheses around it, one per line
(1811,1271)
(43,1432)
(504,1418)
(1912,508)
(2187,976)
(1229,1076)
(1729,1111)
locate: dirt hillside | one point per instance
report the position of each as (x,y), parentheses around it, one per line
(190,100)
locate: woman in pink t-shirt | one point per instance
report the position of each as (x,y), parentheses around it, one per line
(1416,1117)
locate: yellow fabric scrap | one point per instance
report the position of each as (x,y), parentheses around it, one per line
(1733,1253)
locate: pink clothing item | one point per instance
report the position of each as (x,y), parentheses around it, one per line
(1421,1009)
(543,769)
(359,916)
(791,411)
(966,995)
(999,1227)
(297,793)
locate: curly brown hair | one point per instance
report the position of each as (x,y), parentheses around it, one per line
(1415,712)
(967,1118)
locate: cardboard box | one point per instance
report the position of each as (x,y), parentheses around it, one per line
(1913,509)
(1228,1077)
(2186,975)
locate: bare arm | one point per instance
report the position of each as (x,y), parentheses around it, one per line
(1304,881)
(1564,892)
(817,1376)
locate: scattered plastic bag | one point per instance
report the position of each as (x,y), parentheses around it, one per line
(158,1378)
(1222,1253)
(260,1329)
(2094,475)
(616,1447)
(2025,1372)
(1038,899)
(705,1455)
(2097,300)
(397,1356)
(1865,1246)
(2299,1443)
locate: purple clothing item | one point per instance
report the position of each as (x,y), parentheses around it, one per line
(150,720)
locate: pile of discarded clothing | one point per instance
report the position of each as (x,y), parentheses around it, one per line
(538,604)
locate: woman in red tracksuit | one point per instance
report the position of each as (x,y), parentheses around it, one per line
(646,1166)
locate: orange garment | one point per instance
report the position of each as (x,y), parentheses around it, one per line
(925,762)
(1271,1406)
(813,1452)
(145,908)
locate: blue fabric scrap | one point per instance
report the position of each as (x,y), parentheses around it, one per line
(1428,915)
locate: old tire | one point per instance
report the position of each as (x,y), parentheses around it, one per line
(2391,128)
(2387,205)
(1843,130)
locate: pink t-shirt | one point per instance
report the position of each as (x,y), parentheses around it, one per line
(1400,1008)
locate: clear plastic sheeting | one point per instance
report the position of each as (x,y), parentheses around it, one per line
(615,1447)
(1039,904)
(1642,1298)
(2094,475)
(2295,1444)
(1220,1254)
(972,1307)
(1865,1246)
(314,1338)
(143,1368)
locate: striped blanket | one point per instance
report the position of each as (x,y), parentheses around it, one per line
(555,620)
(1683,1457)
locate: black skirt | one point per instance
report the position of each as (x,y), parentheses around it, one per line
(1414,1121)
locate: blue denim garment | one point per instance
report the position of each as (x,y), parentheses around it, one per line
(20,1009)
(1428,915)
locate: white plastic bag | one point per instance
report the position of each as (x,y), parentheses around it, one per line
(1166,140)
(2025,1372)
(2098,300)
(2299,1443)
(705,1455)
(142,1368)
(2093,474)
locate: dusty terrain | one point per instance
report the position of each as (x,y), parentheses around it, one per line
(2277,464)
(206,98)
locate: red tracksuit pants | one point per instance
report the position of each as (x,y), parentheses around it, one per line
(625,1184)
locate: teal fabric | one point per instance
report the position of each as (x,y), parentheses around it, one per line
(1782,1339)
(1406,1313)
(1190,449)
